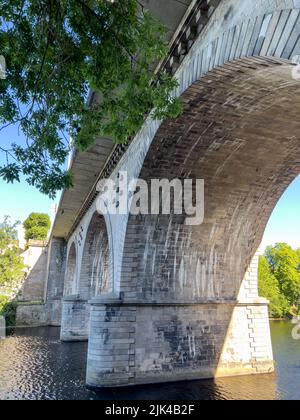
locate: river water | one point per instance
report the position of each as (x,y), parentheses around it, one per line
(34,364)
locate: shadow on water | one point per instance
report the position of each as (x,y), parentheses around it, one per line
(221,389)
(34,364)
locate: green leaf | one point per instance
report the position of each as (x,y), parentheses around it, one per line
(54,52)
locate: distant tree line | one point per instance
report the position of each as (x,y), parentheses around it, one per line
(279,280)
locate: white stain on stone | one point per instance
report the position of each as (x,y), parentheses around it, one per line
(181,275)
(192,345)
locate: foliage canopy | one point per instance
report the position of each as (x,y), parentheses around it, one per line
(37,226)
(55,51)
(269,288)
(11,263)
(279,279)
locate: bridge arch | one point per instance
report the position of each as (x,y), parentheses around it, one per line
(96,264)
(239,131)
(267,34)
(246,44)
(95,279)
(71,271)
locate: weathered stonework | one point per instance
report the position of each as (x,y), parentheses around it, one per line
(150,343)
(41,296)
(75,319)
(111,355)
(247,347)
(31,309)
(35,258)
(31,315)
(55,284)
(87,279)
(170,301)
(155,343)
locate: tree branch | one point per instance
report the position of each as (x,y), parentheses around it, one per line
(96,16)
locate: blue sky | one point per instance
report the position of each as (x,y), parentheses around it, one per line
(284,224)
(20,199)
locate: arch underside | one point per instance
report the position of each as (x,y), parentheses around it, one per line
(240,132)
(70,279)
(94,280)
(95,276)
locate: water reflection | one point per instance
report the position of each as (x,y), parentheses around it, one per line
(34,365)
(287,356)
(222,389)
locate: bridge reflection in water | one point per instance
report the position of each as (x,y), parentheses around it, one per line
(34,364)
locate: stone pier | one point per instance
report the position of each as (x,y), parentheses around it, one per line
(75,319)
(145,343)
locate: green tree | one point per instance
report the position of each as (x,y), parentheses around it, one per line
(8,309)
(269,288)
(8,233)
(298,256)
(11,264)
(284,265)
(11,269)
(55,51)
(37,226)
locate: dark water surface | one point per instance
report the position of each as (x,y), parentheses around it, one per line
(34,364)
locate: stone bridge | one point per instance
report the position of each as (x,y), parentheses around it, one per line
(159,300)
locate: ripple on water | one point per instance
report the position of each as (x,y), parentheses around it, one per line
(35,365)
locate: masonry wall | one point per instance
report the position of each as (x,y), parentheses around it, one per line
(155,343)
(148,343)
(75,319)
(55,281)
(31,315)
(248,347)
(31,309)
(92,276)
(35,258)
(40,300)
